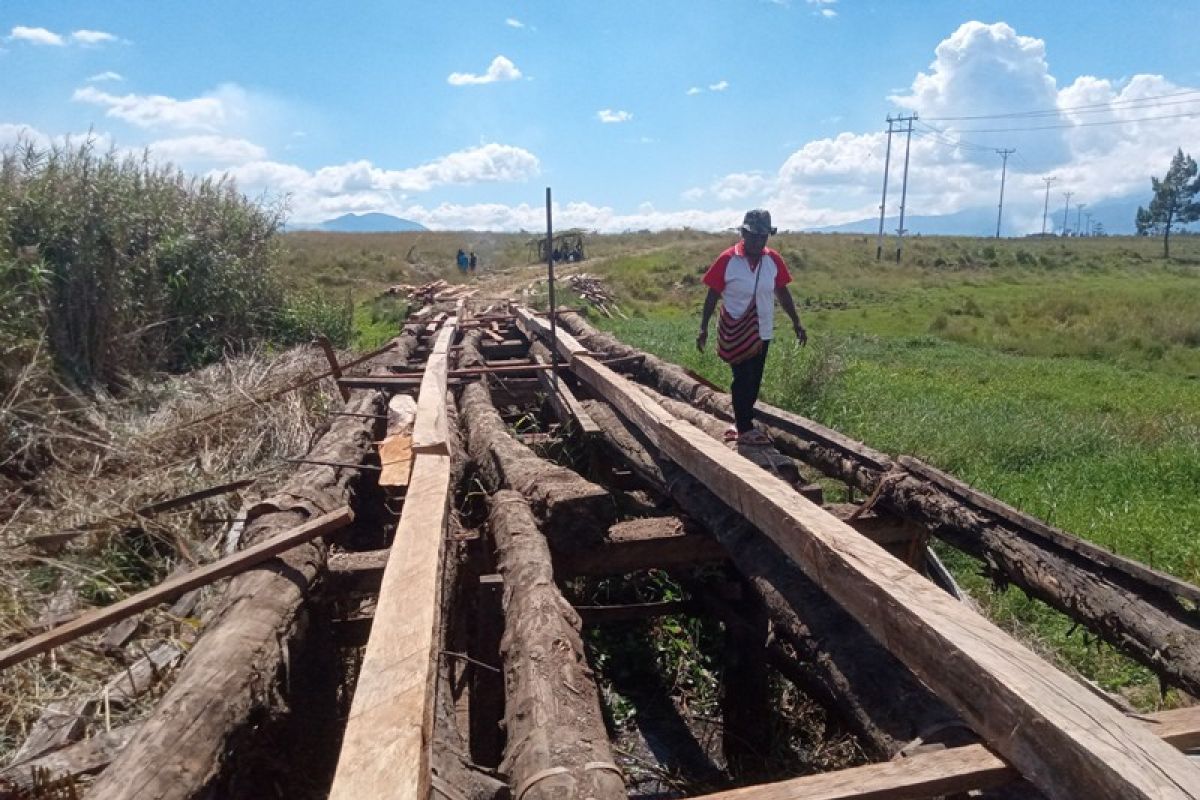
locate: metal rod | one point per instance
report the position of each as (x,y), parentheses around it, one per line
(333,464)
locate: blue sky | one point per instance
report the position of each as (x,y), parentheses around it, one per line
(651,114)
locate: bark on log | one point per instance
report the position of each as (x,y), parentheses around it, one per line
(575,510)
(838,662)
(236,675)
(1163,636)
(557,744)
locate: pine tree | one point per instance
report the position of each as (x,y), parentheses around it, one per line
(1174,202)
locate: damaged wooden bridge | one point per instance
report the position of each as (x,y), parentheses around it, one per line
(405,618)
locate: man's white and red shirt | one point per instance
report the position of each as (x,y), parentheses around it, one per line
(732,276)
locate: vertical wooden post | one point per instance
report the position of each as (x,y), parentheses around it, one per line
(325,345)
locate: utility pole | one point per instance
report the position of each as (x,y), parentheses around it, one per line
(1004,154)
(1046,206)
(1079,216)
(1066,211)
(904,186)
(887,160)
(1087,229)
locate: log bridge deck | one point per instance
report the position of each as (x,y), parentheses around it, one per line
(404,631)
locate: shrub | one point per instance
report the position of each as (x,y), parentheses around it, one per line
(129,266)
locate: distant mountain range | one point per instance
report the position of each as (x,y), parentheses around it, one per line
(363,223)
(1116,215)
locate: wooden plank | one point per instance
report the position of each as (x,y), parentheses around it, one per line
(654,543)
(1065,740)
(174,587)
(567,406)
(927,775)
(1062,738)
(385,751)
(536,327)
(395,451)
(963,492)
(429,430)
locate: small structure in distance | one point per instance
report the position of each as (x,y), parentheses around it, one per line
(567,246)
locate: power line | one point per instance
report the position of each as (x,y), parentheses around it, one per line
(1083,124)
(1133,102)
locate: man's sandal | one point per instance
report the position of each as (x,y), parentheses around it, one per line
(730,435)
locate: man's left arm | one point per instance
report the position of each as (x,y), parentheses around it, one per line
(784,295)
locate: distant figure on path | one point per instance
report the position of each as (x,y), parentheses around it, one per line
(747,279)
(461,258)
(473,262)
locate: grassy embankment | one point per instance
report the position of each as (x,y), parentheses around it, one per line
(1062,377)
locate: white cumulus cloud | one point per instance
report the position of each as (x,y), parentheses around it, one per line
(109,75)
(84,36)
(719,86)
(206,149)
(22,33)
(514,23)
(501,69)
(693,90)
(150,111)
(609,115)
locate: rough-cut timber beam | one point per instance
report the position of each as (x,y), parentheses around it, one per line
(568,503)
(930,775)
(235,677)
(1122,609)
(836,660)
(640,544)
(557,744)
(1061,737)
(566,405)
(386,749)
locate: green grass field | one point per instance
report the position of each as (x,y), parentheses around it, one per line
(1070,389)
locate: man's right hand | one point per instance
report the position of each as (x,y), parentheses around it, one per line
(702,339)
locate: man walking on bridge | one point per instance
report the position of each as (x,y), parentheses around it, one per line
(748,278)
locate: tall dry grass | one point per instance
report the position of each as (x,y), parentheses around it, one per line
(158,440)
(114,267)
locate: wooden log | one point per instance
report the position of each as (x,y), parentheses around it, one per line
(1169,584)
(557,744)
(172,588)
(1062,738)
(85,757)
(836,661)
(568,503)
(1126,612)
(926,775)
(234,678)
